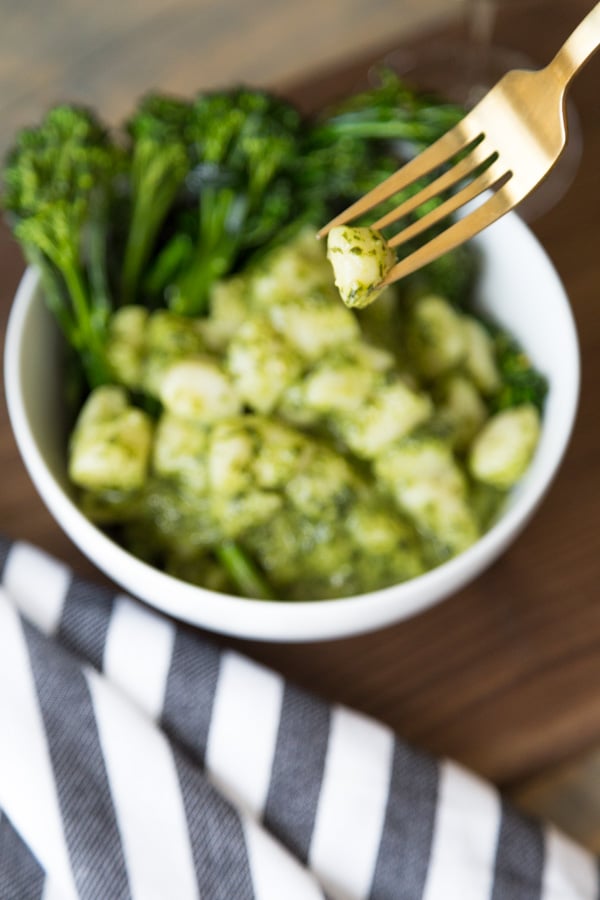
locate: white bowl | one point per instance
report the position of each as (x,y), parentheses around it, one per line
(519,287)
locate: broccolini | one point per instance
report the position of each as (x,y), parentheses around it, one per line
(58,185)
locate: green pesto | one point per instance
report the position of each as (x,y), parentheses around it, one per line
(355,459)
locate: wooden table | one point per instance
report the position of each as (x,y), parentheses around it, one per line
(505,675)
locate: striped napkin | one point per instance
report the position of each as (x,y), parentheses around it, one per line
(138,760)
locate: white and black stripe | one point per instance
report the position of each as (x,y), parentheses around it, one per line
(84,791)
(403,857)
(141,761)
(28,791)
(465,834)
(243,731)
(352,801)
(21,875)
(152,821)
(85,620)
(519,858)
(141,675)
(217,837)
(190,691)
(36,583)
(299,759)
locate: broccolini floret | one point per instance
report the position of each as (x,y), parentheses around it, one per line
(57,182)
(242,145)
(521,383)
(357,143)
(393,110)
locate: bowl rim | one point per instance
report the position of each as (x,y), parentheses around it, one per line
(293,621)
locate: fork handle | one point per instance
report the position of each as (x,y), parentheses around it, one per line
(578,48)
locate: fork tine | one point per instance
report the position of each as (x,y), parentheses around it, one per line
(451,143)
(486,180)
(461,170)
(456,234)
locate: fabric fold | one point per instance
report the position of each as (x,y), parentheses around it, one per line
(168,767)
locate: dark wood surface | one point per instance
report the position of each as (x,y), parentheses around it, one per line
(504,676)
(109,53)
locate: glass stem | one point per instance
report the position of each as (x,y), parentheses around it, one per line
(481,21)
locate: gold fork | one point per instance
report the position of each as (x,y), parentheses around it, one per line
(507,144)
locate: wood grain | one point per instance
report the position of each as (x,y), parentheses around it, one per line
(504,676)
(109,53)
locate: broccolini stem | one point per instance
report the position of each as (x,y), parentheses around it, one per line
(146,219)
(157,174)
(218,243)
(52,291)
(88,336)
(170,260)
(393,129)
(79,301)
(188,294)
(431,124)
(102,303)
(243,571)
(137,251)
